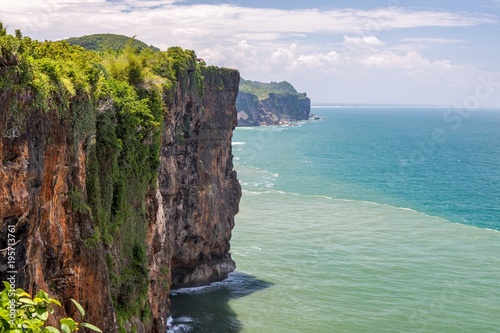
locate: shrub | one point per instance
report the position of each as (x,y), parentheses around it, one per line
(19,313)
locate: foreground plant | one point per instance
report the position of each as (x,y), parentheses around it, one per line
(20,313)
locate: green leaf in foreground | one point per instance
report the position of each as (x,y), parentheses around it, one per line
(90,326)
(65,328)
(69,322)
(42,313)
(55,301)
(27,301)
(79,307)
(50,329)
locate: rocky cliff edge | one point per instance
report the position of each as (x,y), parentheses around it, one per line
(116,177)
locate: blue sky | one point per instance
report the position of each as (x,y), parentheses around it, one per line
(388,52)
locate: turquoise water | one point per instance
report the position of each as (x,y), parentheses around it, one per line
(370,220)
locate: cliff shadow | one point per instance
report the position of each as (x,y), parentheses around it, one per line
(207,309)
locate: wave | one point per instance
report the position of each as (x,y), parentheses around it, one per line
(179,325)
(269,128)
(245,191)
(233,279)
(246,128)
(238,283)
(197,290)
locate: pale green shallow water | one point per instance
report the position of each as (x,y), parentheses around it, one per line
(321,246)
(346,266)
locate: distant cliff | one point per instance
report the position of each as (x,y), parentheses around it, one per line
(272,103)
(116,176)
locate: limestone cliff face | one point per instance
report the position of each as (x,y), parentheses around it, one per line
(249,109)
(190,210)
(202,202)
(275,109)
(38,169)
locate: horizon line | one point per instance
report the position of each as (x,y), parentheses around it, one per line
(375,105)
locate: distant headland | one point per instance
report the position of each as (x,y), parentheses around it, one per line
(275,103)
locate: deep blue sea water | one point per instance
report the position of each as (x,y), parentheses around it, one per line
(372,219)
(390,155)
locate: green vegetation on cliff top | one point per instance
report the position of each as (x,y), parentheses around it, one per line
(262,90)
(104,42)
(113,104)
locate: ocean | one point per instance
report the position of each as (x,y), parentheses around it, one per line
(370,219)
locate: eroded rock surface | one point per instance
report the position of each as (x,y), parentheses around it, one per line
(190,211)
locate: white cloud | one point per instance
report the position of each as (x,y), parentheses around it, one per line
(430,40)
(43,6)
(263,42)
(283,54)
(241,56)
(67,2)
(154,20)
(325,62)
(413,64)
(270,36)
(424,43)
(244,45)
(365,40)
(354,45)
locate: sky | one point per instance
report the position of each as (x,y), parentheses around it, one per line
(358,52)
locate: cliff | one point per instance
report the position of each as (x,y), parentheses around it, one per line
(202,196)
(116,177)
(270,104)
